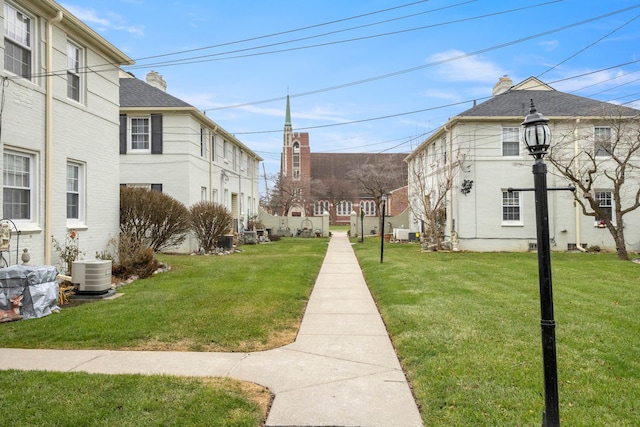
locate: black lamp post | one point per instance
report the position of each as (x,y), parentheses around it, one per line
(537,137)
(384,208)
(361,224)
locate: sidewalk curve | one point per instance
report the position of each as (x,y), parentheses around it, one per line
(341,370)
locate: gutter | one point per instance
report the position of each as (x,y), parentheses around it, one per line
(48,123)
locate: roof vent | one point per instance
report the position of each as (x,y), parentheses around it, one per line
(503,85)
(156,80)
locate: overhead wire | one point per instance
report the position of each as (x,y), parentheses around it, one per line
(200,59)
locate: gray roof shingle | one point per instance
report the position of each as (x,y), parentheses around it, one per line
(551,103)
(137,93)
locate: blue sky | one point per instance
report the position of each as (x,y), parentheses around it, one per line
(366,76)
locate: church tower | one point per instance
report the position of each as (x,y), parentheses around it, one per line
(296,154)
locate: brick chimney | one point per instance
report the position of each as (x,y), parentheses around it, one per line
(156,80)
(503,85)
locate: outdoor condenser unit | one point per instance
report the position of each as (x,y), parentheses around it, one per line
(92,276)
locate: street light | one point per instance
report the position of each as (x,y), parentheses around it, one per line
(537,137)
(384,208)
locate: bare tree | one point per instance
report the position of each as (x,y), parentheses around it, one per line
(288,192)
(430,184)
(377,180)
(604,166)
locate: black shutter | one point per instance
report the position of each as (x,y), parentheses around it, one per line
(156,187)
(123,134)
(156,134)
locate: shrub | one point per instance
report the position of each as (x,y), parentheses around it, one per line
(135,258)
(274,237)
(152,217)
(210,222)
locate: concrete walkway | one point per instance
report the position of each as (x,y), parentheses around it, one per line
(341,371)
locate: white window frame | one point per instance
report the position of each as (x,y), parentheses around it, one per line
(23,38)
(515,196)
(344,208)
(203,194)
(600,145)
(78,190)
(510,136)
(320,206)
(604,195)
(31,186)
(130,134)
(74,67)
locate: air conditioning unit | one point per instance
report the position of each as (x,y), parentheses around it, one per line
(92,276)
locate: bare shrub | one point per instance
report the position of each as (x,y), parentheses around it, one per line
(154,218)
(134,258)
(210,222)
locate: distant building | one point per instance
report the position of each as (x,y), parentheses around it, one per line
(328,181)
(170,146)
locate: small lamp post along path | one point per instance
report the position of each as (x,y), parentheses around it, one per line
(384,208)
(361,224)
(537,137)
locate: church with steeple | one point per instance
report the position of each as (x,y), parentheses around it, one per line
(319,182)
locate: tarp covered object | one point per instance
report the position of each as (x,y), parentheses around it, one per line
(37,285)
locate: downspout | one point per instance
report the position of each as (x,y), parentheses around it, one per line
(48,123)
(577,205)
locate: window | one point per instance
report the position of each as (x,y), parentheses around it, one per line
(225,149)
(511,207)
(369,207)
(510,141)
(17,42)
(604,200)
(17,188)
(202,144)
(320,206)
(602,141)
(344,208)
(203,194)
(444,150)
(140,133)
(213,147)
(73,71)
(296,155)
(75,191)
(234,161)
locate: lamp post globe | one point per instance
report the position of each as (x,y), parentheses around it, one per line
(536,134)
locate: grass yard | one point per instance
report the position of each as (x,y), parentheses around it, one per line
(33,399)
(467,330)
(243,302)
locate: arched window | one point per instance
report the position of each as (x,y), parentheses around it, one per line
(369,207)
(320,206)
(296,155)
(344,208)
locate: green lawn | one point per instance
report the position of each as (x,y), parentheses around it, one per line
(467,330)
(466,327)
(243,302)
(32,399)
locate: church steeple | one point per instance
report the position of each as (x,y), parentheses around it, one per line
(287,119)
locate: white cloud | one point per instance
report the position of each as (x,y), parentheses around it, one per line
(112,22)
(456,66)
(550,45)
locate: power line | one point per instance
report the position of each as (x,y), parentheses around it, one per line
(197,60)
(294,30)
(428,65)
